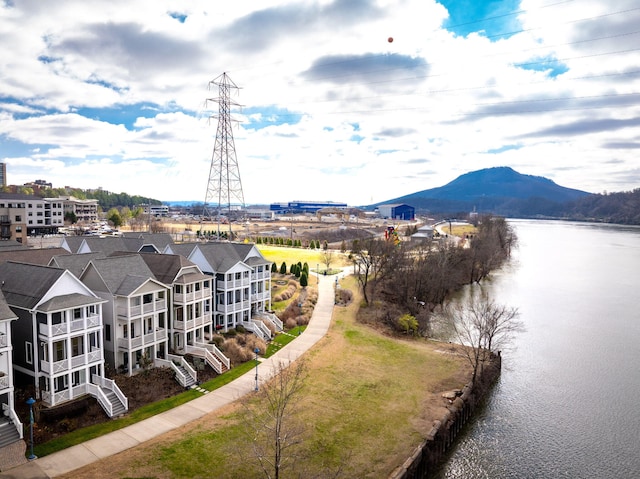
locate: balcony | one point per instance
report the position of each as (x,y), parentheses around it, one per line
(94,356)
(184,298)
(191,324)
(128,344)
(135,311)
(60,329)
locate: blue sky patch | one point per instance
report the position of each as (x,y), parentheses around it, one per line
(496,18)
(503,148)
(181,17)
(269,116)
(121,114)
(551,65)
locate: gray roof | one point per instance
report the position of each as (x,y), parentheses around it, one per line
(40,256)
(5,310)
(165,267)
(159,240)
(223,256)
(74,242)
(111,244)
(68,301)
(23,284)
(75,263)
(184,249)
(7,245)
(122,275)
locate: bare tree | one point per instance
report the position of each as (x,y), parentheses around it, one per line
(327,258)
(370,258)
(483,326)
(271,420)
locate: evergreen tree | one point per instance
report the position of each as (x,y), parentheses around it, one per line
(283,268)
(304,279)
(274,268)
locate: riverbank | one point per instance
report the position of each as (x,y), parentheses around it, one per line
(367,404)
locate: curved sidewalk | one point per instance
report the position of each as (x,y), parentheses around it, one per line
(93,450)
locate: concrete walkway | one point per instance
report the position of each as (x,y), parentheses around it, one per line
(93,450)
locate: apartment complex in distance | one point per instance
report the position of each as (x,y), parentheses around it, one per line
(22,216)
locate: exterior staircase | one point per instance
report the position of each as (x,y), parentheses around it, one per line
(117,408)
(189,379)
(8,432)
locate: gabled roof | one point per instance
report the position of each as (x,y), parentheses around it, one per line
(184,249)
(9,245)
(23,284)
(224,256)
(73,243)
(110,244)
(5,310)
(122,275)
(67,301)
(159,240)
(31,255)
(167,267)
(74,262)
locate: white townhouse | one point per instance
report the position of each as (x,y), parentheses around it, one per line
(11,429)
(57,338)
(190,325)
(242,284)
(136,314)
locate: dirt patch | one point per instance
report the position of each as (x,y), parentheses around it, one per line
(144,388)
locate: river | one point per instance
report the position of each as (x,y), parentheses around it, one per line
(567,402)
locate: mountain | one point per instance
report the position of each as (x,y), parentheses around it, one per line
(499,190)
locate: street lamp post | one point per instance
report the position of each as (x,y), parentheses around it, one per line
(256,351)
(317,273)
(30,403)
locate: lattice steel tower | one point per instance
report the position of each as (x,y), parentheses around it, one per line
(224,187)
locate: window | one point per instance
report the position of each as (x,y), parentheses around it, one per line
(77,313)
(147,298)
(77,346)
(28,352)
(238,275)
(18,229)
(18,217)
(59,352)
(178,288)
(107,332)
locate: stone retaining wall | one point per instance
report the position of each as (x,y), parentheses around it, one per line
(429,455)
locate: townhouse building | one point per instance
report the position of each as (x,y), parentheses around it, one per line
(242,284)
(136,311)
(58,344)
(190,325)
(11,428)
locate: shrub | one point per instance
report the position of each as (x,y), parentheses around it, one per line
(218,340)
(290,323)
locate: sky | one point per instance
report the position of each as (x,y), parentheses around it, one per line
(121,95)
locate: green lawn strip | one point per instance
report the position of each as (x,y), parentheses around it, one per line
(312,257)
(283,339)
(81,435)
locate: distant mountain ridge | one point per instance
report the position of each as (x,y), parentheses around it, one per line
(500,190)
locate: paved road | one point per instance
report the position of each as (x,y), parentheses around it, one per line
(78,456)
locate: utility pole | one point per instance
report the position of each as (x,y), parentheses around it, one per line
(224,183)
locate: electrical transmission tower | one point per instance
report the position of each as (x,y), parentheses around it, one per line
(224,188)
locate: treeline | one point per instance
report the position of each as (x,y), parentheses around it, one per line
(106,199)
(620,208)
(417,279)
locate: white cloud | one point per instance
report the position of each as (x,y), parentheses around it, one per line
(98,95)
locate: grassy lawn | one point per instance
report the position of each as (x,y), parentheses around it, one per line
(312,257)
(367,403)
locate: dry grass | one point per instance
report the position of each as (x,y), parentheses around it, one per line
(368,401)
